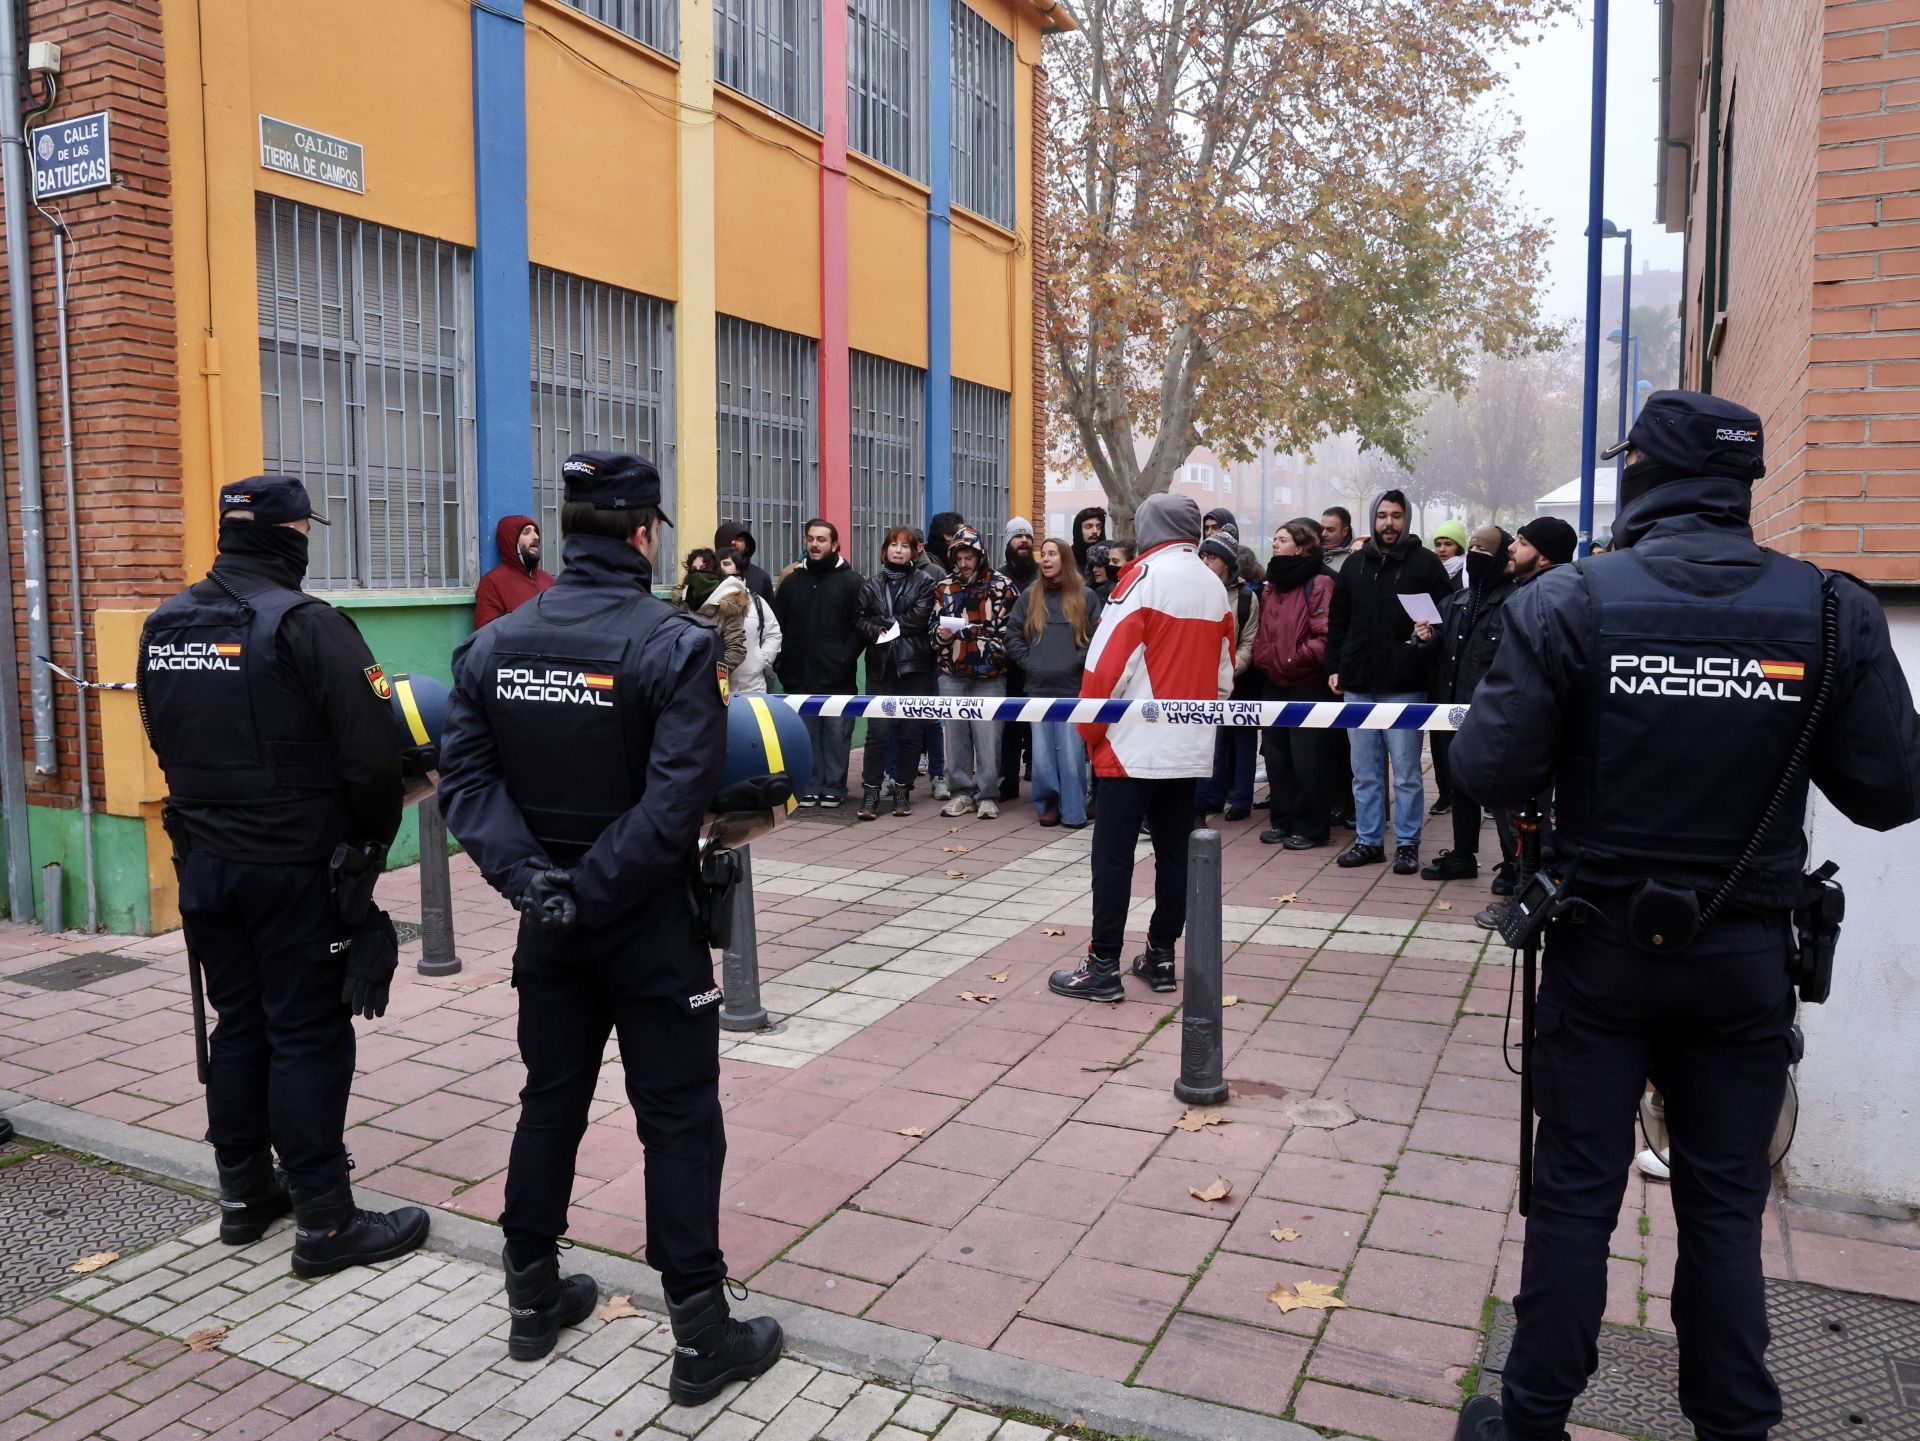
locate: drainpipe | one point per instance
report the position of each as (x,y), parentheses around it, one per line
(1667,142)
(14,173)
(1710,253)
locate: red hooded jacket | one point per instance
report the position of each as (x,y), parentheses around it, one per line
(509,585)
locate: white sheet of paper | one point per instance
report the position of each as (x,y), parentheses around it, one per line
(1421,608)
(951,625)
(892,632)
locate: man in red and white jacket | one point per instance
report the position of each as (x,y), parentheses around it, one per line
(1167,633)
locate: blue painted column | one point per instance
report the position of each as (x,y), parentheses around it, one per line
(503,401)
(939,259)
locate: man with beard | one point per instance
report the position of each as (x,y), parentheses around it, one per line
(1371,657)
(1089,525)
(1016,737)
(518,578)
(1543,542)
(817,604)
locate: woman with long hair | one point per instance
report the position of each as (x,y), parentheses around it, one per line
(895,619)
(1291,651)
(1047,635)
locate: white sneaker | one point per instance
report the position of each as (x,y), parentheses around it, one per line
(1651,1164)
(958,806)
(941,790)
(987,809)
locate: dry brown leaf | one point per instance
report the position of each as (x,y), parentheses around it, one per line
(1052,931)
(982,998)
(1285,1233)
(953,830)
(207,1340)
(1229,1000)
(1443,905)
(999,978)
(956,850)
(1308,1295)
(1218,1191)
(1288,899)
(1199,1121)
(915,1131)
(619,1308)
(93,1262)
(1114,1065)
(956,875)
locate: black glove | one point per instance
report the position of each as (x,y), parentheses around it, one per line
(549,902)
(373,954)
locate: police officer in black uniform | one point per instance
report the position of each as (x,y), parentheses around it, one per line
(585,738)
(271,722)
(1661,691)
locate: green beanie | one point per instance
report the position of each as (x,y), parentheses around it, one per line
(1451,530)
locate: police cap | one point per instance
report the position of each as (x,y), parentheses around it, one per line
(611,480)
(272,499)
(1695,434)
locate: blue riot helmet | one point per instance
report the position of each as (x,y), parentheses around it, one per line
(419,705)
(768,758)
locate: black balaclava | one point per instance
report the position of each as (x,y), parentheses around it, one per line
(280,550)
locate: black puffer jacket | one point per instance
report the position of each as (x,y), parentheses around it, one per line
(820,648)
(1367,627)
(908,599)
(1472,620)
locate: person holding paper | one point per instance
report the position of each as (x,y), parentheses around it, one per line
(970,630)
(1371,656)
(896,609)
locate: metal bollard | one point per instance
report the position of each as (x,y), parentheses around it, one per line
(437,957)
(1202,1065)
(740,962)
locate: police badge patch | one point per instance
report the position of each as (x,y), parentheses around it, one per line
(1456,716)
(377,679)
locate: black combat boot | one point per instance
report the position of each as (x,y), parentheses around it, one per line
(903,800)
(253,1195)
(711,1350)
(1097,980)
(1481,1420)
(1155,967)
(869,803)
(541,1301)
(332,1233)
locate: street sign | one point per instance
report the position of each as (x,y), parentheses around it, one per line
(72,155)
(312,155)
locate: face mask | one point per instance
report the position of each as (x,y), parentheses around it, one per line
(1481,567)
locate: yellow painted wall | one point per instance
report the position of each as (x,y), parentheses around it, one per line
(982,298)
(590,135)
(886,263)
(766,217)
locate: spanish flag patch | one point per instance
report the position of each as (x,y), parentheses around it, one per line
(231,647)
(1783,670)
(595,680)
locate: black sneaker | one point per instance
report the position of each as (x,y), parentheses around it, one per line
(1097,980)
(903,800)
(1304,843)
(869,803)
(331,1233)
(1360,854)
(1503,879)
(540,1301)
(711,1350)
(1406,860)
(1274,838)
(1441,806)
(1451,866)
(1481,1420)
(1155,967)
(1234,813)
(253,1195)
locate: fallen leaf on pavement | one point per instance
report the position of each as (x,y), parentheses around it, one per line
(207,1340)
(619,1308)
(1114,1065)
(1443,905)
(1218,1191)
(1288,899)
(913,1131)
(1052,931)
(1229,1000)
(956,850)
(1199,1121)
(982,999)
(999,978)
(1312,1295)
(1285,1233)
(93,1262)
(953,830)
(956,875)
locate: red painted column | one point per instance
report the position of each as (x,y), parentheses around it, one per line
(836,453)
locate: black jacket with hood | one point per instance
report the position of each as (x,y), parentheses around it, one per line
(1368,630)
(818,608)
(1472,620)
(1079,543)
(756,577)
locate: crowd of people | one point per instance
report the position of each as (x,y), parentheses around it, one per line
(1330,615)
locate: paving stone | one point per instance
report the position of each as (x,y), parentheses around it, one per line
(799,1420)
(1394,1356)
(786,1380)
(869,1409)
(831,1388)
(627,1415)
(731,1425)
(473,1397)
(923,1414)
(1076,1350)
(1216,1361)
(965,1425)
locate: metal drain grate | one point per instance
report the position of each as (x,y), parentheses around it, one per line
(54,1210)
(1847,1366)
(70,973)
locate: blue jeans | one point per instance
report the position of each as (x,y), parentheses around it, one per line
(832,739)
(1232,779)
(1372,752)
(1059,772)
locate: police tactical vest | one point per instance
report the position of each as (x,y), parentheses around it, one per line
(573,727)
(1691,710)
(230,725)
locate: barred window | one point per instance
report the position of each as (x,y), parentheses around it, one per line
(981,462)
(769,50)
(889,452)
(654,23)
(366,392)
(887,83)
(602,374)
(769,471)
(982,117)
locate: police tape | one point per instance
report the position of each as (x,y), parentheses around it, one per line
(68,675)
(1301,715)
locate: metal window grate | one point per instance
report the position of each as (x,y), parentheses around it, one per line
(981,460)
(769,463)
(887,83)
(889,454)
(366,392)
(981,132)
(602,369)
(769,50)
(654,23)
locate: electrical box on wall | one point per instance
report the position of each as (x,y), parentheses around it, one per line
(43,58)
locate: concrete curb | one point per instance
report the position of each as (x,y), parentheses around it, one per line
(887,1353)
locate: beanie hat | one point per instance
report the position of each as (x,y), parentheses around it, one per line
(1223,550)
(1019,526)
(1451,530)
(1552,537)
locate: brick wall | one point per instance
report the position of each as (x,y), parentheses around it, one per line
(121,343)
(1035,497)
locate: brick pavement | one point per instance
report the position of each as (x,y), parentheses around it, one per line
(1046,1211)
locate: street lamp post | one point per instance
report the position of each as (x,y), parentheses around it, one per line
(1626,410)
(1596,193)
(1610,231)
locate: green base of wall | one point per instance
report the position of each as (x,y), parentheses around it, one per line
(119,864)
(410,634)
